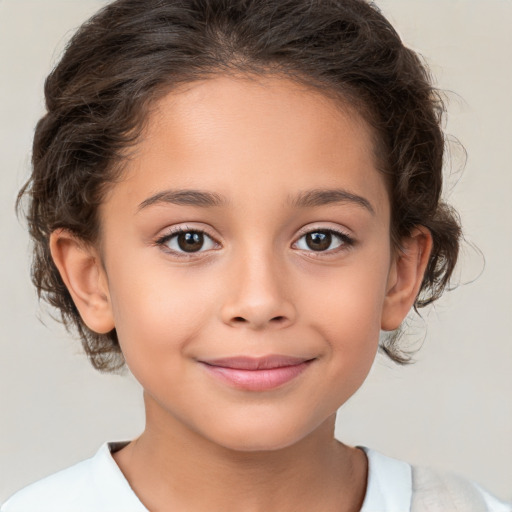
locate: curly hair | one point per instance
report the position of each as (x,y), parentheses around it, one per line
(132,52)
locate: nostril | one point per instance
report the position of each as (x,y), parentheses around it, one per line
(259,321)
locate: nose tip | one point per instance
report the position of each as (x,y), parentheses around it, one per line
(258,298)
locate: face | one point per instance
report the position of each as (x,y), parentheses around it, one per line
(247,254)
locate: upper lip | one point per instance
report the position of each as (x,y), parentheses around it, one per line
(256,363)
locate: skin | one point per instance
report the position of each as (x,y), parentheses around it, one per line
(254,288)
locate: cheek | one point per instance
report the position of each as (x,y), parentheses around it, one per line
(159,308)
(348,317)
(347,310)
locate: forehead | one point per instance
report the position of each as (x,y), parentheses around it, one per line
(245,136)
(258,105)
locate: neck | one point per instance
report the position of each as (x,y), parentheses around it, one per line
(171,467)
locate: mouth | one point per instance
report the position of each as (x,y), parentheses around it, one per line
(257,373)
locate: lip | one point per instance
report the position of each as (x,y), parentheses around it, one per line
(257,373)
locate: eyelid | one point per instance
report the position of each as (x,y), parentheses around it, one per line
(319,226)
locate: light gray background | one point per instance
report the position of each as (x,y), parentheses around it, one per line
(451,410)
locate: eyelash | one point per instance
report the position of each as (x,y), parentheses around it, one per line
(165,239)
(346,241)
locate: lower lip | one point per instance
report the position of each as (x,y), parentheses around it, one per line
(257,380)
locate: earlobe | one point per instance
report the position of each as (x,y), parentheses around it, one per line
(405,277)
(82,272)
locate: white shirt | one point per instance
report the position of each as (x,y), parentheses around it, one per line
(98,485)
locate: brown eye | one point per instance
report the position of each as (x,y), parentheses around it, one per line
(190,241)
(187,241)
(323,240)
(319,240)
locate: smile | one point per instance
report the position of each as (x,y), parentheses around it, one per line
(257,374)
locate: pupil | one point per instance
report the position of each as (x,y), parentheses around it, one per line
(319,240)
(191,241)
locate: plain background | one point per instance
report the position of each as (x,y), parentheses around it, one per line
(451,410)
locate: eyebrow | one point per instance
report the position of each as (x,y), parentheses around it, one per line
(321,197)
(304,199)
(185,198)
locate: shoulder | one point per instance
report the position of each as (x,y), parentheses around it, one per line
(63,489)
(388,487)
(95,484)
(433,491)
(396,486)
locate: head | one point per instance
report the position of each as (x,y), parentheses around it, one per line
(103,96)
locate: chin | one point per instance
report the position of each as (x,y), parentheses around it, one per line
(267,444)
(259,436)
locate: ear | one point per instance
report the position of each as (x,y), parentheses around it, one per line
(83,274)
(405,277)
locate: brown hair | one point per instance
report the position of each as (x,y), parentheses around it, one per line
(133,51)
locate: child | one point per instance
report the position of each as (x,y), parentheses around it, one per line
(235,197)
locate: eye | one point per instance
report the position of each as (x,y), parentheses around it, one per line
(187,241)
(323,240)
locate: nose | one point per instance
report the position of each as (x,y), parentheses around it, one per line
(257,295)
